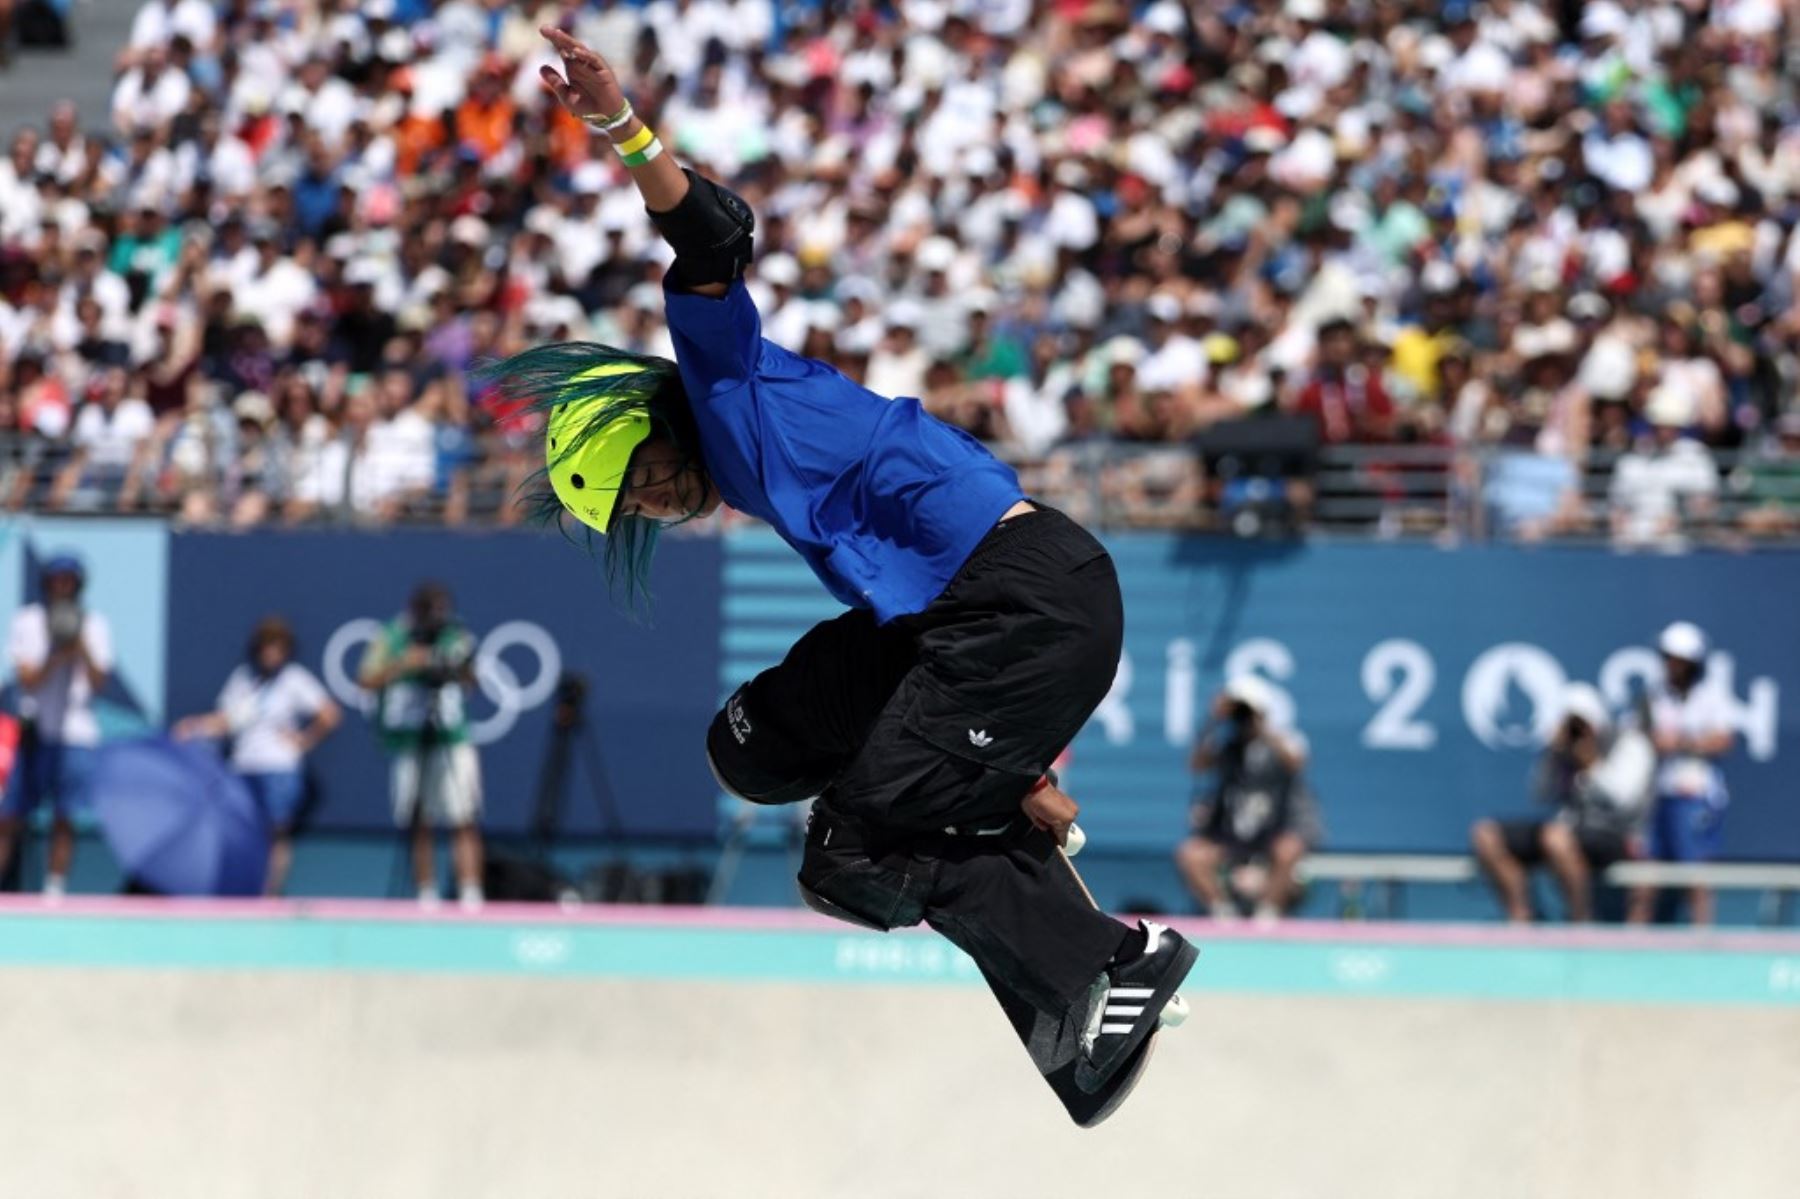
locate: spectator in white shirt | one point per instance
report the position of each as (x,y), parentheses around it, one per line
(61,655)
(64,152)
(898,365)
(372,468)
(1176,363)
(1660,487)
(149,95)
(1692,728)
(275,711)
(110,429)
(1617,152)
(159,21)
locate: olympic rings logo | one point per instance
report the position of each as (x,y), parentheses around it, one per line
(541,950)
(495,677)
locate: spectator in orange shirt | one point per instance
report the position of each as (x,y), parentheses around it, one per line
(418,133)
(484,121)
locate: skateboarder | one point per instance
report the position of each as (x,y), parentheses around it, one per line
(983,628)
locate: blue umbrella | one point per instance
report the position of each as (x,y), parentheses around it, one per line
(178,819)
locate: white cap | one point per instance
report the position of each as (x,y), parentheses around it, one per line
(1163,307)
(823,314)
(1683,640)
(1264,140)
(1165,16)
(253,406)
(589,179)
(858,287)
(1252,692)
(469,229)
(1439,277)
(1669,407)
(1125,350)
(1585,703)
(1604,19)
(778,270)
(936,254)
(363,272)
(1717,189)
(1588,305)
(905,314)
(396,45)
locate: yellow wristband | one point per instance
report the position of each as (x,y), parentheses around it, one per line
(636,141)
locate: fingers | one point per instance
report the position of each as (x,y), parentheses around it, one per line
(558,87)
(572,50)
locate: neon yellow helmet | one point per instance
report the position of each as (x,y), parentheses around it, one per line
(588,472)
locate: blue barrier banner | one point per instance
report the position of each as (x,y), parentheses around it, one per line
(1426,679)
(1423,678)
(538,607)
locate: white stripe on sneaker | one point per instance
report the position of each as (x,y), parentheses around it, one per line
(1117,1009)
(1118,1028)
(1131,992)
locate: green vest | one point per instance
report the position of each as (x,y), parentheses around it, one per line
(421,707)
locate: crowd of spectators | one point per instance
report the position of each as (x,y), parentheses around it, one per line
(1178,260)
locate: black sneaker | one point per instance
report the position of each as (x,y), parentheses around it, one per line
(1129,1002)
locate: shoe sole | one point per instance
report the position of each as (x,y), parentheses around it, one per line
(1124,1081)
(1186,954)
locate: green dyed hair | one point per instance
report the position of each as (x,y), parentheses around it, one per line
(601,402)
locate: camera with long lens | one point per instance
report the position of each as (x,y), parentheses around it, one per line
(441,670)
(62,619)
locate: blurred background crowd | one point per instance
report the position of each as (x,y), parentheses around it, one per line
(1463,269)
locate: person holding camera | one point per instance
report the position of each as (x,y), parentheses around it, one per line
(420,666)
(1249,834)
(275,711)
(1597,778)
(61,655)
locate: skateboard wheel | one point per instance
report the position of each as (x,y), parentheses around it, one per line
(1174,1012)
(1075,841)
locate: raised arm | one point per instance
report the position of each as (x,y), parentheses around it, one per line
(708,227)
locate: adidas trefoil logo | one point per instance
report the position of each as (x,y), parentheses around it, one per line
(979,738)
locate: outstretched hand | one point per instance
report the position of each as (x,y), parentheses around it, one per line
(590,88)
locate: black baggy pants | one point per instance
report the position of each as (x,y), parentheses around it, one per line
(921,738)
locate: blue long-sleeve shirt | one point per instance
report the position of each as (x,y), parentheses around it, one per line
(883,500)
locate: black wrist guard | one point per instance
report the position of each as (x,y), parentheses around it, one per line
(709,231)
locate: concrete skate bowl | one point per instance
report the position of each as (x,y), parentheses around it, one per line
(360,1050)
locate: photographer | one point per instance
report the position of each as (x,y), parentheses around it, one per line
(61,655)
(274,711)
(1598,778)
(1260,819)
(420,665)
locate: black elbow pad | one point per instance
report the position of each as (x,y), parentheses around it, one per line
(710,232)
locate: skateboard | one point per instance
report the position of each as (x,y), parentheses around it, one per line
(1053,1039)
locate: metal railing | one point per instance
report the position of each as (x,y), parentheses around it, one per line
(1392,491)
